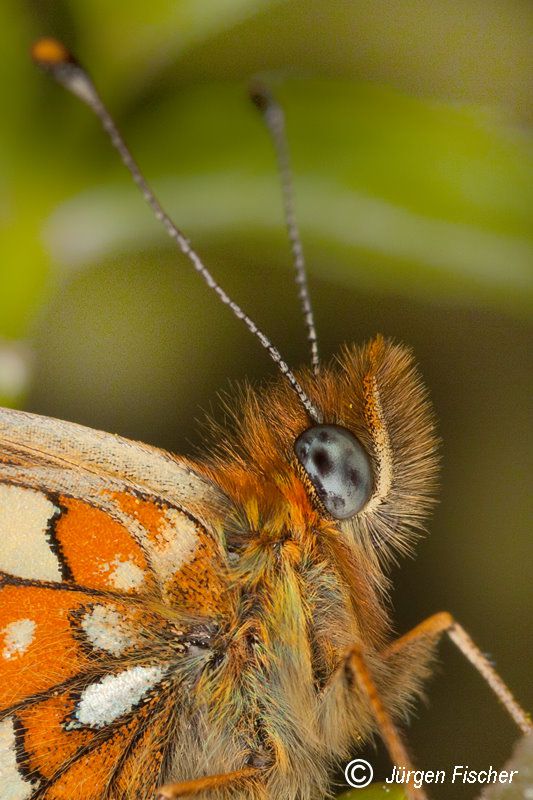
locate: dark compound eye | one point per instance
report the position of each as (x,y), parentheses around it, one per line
(338,467)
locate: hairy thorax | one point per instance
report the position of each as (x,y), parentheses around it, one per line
(271,689)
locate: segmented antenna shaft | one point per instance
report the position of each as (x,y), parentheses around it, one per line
(275,122)
(57,60)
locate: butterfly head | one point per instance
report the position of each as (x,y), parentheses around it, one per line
(366,472)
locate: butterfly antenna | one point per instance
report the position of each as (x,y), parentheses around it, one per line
(53,56)
(275,121)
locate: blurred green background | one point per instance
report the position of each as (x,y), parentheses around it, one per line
(410,132)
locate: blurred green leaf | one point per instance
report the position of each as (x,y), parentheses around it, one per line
(456,204)
(400,185)
(155,34)
(147,34)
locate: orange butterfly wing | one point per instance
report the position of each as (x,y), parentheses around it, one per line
(109,557)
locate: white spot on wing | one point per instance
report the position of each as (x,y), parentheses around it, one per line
(106,629)
(103,702)
(24,517)
(124,575)
(18,636)
(174,545)
(12,785)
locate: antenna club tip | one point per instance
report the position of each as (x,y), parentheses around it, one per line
(260,95)
(54,58)
(49,53)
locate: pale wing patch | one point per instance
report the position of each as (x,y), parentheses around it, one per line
(174,545)
(83,450)
(124,575)
(107,700)
(18,636)
(106,629)
(12,784)
(25,551)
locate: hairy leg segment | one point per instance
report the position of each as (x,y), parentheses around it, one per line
(357,667)
(432,629)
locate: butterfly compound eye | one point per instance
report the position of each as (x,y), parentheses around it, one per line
(337,466)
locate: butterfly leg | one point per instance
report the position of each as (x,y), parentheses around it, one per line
(356,666)
(434,627)
(171,791)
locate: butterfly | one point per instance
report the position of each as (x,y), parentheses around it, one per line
(218,627)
